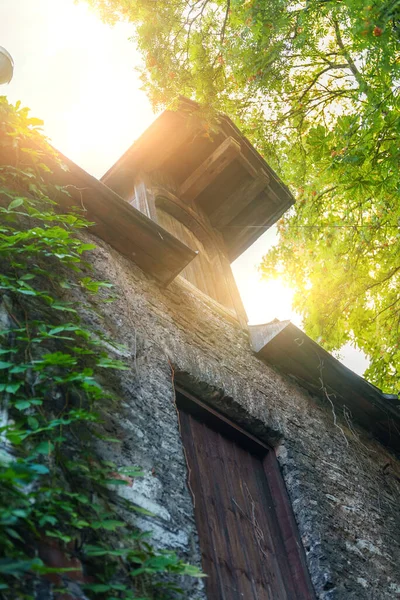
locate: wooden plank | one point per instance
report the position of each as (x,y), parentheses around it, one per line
(223,186)
(123,244)
(209,169)
(238,201)
(215,420)
(237,522)
(143,198)
(260,539)
(220,277)
(121,225)
(251,169)
(252,222)
(246,565)
(282,575)
(198,272)
(192,154)
(210,272)
(215,471)
(226,283)
(206,461)
(202,509)
(288,526)
(121,222)
(155,151)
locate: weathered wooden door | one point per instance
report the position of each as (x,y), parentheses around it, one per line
(250,548)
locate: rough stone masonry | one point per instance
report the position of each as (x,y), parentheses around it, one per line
(342,483)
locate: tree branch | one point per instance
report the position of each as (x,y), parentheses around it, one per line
(386,278)
(228,8)
(318,75)
(350,61)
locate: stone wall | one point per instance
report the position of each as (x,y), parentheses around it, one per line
(344,496)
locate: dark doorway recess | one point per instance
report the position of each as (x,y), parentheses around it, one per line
(249,541)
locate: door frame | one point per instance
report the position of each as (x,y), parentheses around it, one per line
(287,527)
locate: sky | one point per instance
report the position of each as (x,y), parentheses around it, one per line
(78,75)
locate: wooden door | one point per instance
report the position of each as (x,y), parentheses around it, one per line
(247,553)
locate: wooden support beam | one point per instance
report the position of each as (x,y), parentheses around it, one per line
(205,174)
(143,198)
(247,165)
(236,202)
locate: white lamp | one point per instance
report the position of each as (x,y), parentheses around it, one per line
(6,66)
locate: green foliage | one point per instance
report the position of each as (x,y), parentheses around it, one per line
(54,489)
(315,86)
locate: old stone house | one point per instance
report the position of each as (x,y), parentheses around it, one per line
(264,457)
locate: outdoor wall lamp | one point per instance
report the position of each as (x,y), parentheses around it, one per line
(6,66)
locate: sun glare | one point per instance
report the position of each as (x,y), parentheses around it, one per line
(267,300)
(79,76)
(264,300)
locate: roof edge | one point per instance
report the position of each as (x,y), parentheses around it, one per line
(290,350)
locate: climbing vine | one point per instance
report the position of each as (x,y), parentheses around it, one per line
(56,507)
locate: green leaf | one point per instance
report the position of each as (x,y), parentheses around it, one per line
(9,566)
(142,511)
(59,535)
(140,571)
(62,307)
(108,363)
(33,423)
(15,203)
(47,519)
(100,551)
(109,525)
(19,369)
(12,388)
(35,122)
(39,469)
(22,404)
(45,570)
(14,534)
(44,448)
(98,588)
(111,481)
(5,364)
(192,571)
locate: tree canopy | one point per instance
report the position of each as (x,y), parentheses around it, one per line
(315,86)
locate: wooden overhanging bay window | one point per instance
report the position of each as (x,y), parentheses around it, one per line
(213,193)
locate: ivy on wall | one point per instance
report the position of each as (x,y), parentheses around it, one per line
(58,527)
